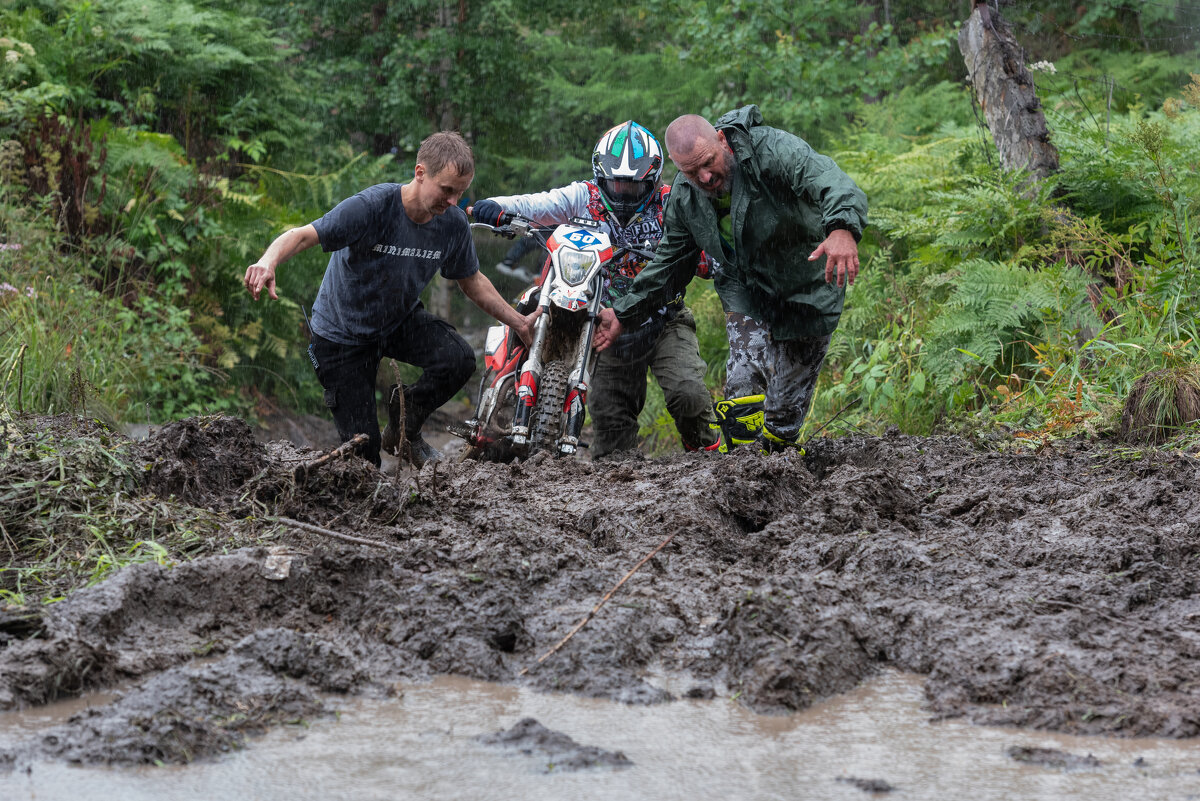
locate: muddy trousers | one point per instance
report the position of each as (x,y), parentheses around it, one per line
(618,390)
(347,372)
(786,372)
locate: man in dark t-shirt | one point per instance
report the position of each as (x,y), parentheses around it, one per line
(388,242)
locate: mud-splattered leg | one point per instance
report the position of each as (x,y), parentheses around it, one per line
(616,398)
(786,372)
(347,373)
(797,365)
(679,370)
(446,360)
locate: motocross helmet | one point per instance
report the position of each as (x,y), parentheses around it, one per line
(627,163)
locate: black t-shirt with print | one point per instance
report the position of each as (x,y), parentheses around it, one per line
(381,263)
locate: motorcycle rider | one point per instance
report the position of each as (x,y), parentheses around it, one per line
(626,196)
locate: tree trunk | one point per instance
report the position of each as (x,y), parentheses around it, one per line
(996,67)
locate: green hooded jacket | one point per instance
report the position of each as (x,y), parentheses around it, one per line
(785,200)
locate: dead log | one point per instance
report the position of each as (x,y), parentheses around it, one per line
(996,67)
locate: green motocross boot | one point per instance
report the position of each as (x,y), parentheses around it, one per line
(739,420)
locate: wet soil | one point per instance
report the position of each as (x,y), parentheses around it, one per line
(1053,589)
(1052,758)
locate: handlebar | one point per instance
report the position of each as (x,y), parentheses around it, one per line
(513,225)
(621,251)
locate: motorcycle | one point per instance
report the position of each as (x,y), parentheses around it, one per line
(535,399)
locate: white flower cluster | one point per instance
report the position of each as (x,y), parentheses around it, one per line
(11,55)
(7,288)
(1043,66)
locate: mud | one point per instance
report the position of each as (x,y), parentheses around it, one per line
(1053,758)
(1053,589)
(553,751)
(868,785)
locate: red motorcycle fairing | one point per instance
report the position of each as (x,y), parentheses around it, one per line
(505,358)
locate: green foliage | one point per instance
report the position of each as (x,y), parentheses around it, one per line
(150,150)
(209,77)
(808,66)
(993,310)
(914,113)
(1164,404)
(987,298)
(72,347)
(168,85)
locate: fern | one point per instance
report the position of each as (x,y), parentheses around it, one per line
(991,304)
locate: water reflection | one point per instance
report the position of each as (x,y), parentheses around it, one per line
(421,745)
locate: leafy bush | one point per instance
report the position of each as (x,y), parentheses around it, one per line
(1039,308)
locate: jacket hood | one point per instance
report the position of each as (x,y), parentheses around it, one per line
(737,123)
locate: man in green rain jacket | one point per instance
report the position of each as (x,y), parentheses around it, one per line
(785,221)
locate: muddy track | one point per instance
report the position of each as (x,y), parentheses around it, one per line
(1053,590)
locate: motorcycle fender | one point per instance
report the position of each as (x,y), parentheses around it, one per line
(570,298)
(503,355)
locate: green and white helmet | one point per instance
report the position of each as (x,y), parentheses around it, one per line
(627,163)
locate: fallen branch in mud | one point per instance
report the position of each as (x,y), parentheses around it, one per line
(1035,601)
(337,535)
(340,452)
(830,421)
(596,608)
(400,412)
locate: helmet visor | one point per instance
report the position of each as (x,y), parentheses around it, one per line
(627,191)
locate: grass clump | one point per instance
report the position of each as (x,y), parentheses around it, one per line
(1162,405)
(74,510)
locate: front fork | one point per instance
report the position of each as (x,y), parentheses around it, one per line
(575,407)
(527,382)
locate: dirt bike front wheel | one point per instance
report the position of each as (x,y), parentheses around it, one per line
(546,421)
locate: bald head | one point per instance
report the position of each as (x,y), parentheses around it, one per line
(686,132)
(701,154)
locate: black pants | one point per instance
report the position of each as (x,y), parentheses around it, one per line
(347,372)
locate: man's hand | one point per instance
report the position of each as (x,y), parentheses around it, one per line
(841,257)
(289,243)
(258,276)
(525,330)
(608,328)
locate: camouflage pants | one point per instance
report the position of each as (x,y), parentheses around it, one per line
(618,390)
(786,372)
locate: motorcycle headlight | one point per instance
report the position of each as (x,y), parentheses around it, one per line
(574,265)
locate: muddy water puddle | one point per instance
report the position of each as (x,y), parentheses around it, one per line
(423,744)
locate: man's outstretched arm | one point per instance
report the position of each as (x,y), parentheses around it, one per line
(483,294)
(262,273)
